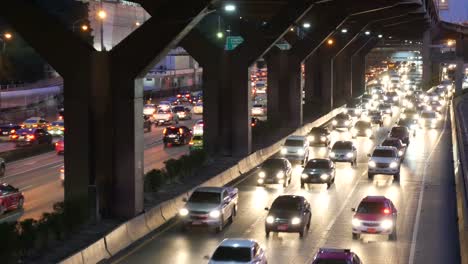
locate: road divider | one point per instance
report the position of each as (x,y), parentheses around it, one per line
(138,227)
(25,152)
(460,163)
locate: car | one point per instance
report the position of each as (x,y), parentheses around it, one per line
(410,123)
(254,121)
(149,109)
(354,108)
(434,106)
(60,147)
(319,136)
(384,160)
(344,151)
(392,97)
(429,119)
(180,135)
(164,105)
(210,207)
(198,108)
(336,256)
(31,136)
(409,113)
(237,250)
(400,132)
(398,144)
(196,143)
(296,148)
(290,214)
(62,174)
(362,129)
(8,129)
(318,171)
(198,128)
(431,96)
(259,110)
(165,116)
(375,215)
(342,121)
(183,113)
(10,198)
(386,109)
(2,167)
(147,123)
(375,117)
(184,96)
(276,171)
(35,122)
(56,128)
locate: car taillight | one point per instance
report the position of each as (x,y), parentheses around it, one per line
(62,170)
(179,96)
(386,211)
(187,95)
(14,136)
(164,131)
(30,136)
(12,131)
(181,131)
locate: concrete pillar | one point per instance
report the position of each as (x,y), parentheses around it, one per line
(427,62)
(212,101)
(325,80)
(358,71)
(459,75)
(276,60)
(313,93)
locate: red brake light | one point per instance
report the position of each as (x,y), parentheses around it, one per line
(187,95)
(386,211)
(30,136)
(190,143)
(179,96)
(181,131)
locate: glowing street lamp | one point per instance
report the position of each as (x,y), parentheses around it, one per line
(8,35)
(306,25)
(219,35)
(380,36)
(344,30)
(84,27)
(367,32)
(102,14)
(229,8)
(330,42)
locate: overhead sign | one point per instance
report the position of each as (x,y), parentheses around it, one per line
(233,41)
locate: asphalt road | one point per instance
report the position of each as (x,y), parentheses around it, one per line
(38,177)
(425,200)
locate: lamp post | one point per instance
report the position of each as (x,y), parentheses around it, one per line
(102,15)
(4,39)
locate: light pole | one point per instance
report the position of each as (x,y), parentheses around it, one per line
(4,39)
(83,26)
(102,15)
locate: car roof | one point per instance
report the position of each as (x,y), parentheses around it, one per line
(375,198)
(26,130)
(332,253)
(238,242)
(296,138)
(385,148)
(317,160)
(210,189)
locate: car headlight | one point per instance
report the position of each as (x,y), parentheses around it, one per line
(393,164)
(349,154)
(323,138)
(332,154)
(372,164)
(270,219)
(304,176)
(324,176)
(215,214)
(436,98)
(403,116)
(300,152)
(368,132)
(280,175)
(296,221)
(284,151)
(388,111)
(385,98)
(395,98)
(439,108)
(334,122)
(311,138)
(353,131)
(386,224)
(345,111)
(356,222)
(183,212)
(400,153)
(261,174)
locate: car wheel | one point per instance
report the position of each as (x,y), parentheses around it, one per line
(370,176)
(356,236)
(20,203)
(221,225)
(302,185)
(267,233)
(329,185)
(2,170)
(308,224)
(393,235)
(397,177)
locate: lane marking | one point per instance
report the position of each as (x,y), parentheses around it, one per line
(421,195)
(26,188)
(33,169)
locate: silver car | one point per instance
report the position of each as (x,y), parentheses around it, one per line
(344,151)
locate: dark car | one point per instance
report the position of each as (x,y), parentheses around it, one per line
(342,121)
(398,144)
(318,171)
(375,117)
(254,121)
(392,98)
(10,198)
(362,129)
(319,136)
(31,136)
(147,124)
(180,135)
(275,170)
(401,133)
(411,123)
(8,129)
(336,256)
(184,96)
(182,112)
(290,214)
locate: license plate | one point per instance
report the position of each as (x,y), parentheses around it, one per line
(197,222)
(371,230)
(283,227)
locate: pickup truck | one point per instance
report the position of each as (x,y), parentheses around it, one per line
(165,116)
(210,207)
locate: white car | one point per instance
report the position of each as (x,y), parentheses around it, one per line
(231,251)
(164,105)
(198,108)
(384,160)
(149,109)
(296,148)
(258,110)
(429,119)
(198,128)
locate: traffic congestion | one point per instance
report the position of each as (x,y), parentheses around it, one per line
(381,137)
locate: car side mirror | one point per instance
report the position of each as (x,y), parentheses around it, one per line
(267,209)
(184,199)
(353,209)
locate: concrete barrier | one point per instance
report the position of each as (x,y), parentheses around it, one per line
(118,239)
(154,218)
(73,259)
(137,227)
(96,252)
(168,209)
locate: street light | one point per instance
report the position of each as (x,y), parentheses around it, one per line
(229,8)
(137,23)
(367,32)
(306,25)
(84,27)
(344,30)
(330,42)
(219,34)
(380,36)
(450,42)
(102,15)
(6,37)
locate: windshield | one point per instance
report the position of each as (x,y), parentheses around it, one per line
(162,111)
(197,138)
(399,130)
(342,145)
(318,164)
(374,113)
(258,106)
(273,163)
(150,106)
(205,197)
(238,254)
(391,143)
(178,109)
(342,116)
(362,125)
(385,153)
(286,204)
(294,143)
(318,130)
(428,115)
(370,208)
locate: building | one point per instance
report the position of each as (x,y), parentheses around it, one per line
(454,11)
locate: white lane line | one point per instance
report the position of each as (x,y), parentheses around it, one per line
(421,195)
(59,165)
(33,169)
(26,188)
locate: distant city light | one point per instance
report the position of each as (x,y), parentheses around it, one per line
(84,28)
(330,42)
(137,23)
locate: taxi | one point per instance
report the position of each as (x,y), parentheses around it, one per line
(56,128)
